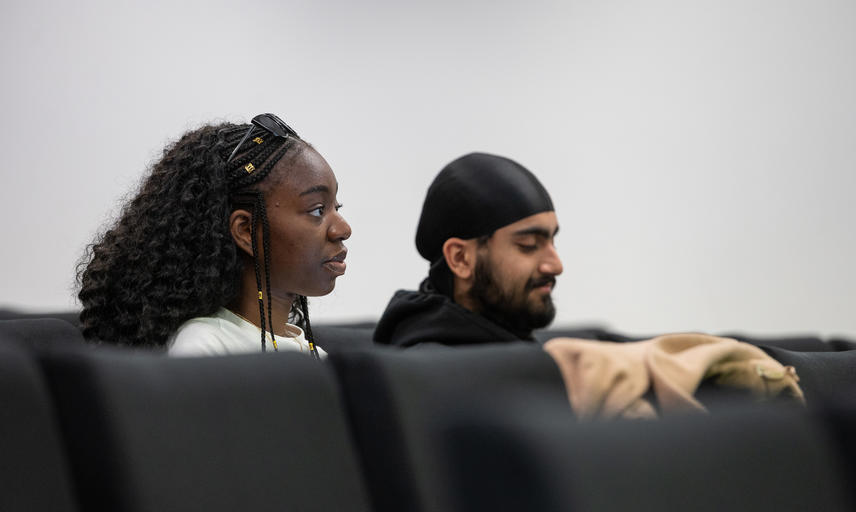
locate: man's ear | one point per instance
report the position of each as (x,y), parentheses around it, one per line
(460,256)
(241,228)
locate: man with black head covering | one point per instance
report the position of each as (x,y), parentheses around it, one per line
(487,228)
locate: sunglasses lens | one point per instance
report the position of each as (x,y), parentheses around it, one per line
(274,125)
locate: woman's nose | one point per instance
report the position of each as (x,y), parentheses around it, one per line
(339,229)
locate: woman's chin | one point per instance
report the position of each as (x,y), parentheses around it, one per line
(321,291)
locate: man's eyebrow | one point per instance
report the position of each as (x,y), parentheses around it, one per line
(537,231)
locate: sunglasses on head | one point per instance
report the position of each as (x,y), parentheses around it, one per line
(271,124)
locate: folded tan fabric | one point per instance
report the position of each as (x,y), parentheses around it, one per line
(612,380)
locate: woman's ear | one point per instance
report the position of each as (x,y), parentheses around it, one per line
(241,228)
(460,256)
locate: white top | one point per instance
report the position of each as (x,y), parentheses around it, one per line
(227,333)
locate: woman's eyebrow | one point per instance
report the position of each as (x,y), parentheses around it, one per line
(316,188)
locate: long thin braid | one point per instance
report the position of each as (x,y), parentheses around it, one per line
(256,266)
(266,246)
(307,327)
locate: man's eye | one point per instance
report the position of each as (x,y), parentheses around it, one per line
(317,211)
(527,247)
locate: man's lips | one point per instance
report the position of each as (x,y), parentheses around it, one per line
(336,264)
(543,285)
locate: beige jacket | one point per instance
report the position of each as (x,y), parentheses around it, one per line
(609,380)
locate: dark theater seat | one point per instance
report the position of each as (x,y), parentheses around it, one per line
(34,473)
(741,460)
(823,375)
(39,331)
(428,429)
(338,338)
(394,396)
(149,433)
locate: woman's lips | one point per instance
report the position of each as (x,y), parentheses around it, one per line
(337,264)
(337,267)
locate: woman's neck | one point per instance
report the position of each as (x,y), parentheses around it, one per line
(246,305)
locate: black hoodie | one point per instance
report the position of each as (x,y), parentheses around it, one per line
(414,317)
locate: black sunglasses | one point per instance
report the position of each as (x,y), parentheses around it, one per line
(271,124)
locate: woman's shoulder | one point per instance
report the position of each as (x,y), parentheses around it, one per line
(209,335)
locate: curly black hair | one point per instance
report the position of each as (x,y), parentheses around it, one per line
(170,255)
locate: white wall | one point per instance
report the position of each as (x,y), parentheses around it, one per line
(700,153)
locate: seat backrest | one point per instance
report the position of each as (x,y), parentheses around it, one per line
(536,457)
(34,473)
(823,375)
(40,331)
(394,395)
(842,344)
(838,415)
(335,338)
(586,333)
(70,316)
(805,343)
(248,432)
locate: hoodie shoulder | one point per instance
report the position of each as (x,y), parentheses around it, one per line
(414,317)
(405,308)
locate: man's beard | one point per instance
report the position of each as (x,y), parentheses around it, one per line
(511,309)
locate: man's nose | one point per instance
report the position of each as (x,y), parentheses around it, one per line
(551,264)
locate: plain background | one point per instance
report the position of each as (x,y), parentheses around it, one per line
(701,154)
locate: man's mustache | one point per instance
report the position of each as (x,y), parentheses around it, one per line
(535,283)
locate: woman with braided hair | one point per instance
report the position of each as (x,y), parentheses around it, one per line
(229,233)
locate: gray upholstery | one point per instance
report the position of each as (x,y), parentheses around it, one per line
(429,429)
(394,395)
(823,375)
(252,432)
(34,473)
(335,338)
(539,458)
(40,331)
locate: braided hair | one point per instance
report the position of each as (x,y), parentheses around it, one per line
(170,255)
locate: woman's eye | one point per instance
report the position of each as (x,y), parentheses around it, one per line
(318,211)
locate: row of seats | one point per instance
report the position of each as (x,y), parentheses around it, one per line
(379,429)
(358,335)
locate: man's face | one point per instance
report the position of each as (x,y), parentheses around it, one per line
(515,273)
